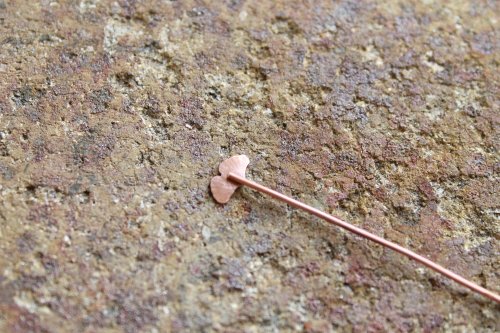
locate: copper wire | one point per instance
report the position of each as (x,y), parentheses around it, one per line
(363,233)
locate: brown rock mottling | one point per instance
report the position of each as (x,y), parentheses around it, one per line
(114,116)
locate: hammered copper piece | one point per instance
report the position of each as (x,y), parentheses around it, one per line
(222,189)
(233,175)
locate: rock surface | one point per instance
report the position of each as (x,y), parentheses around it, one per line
(114,116)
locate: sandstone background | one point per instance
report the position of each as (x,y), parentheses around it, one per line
(114,116)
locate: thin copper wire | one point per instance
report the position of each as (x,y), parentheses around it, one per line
(363,233)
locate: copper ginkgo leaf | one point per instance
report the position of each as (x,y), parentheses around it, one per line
(223,189)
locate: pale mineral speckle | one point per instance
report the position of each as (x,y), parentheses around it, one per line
(206,233)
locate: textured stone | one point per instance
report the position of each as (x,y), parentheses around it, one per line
(114,116)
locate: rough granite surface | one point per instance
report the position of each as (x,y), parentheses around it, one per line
(114,116)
